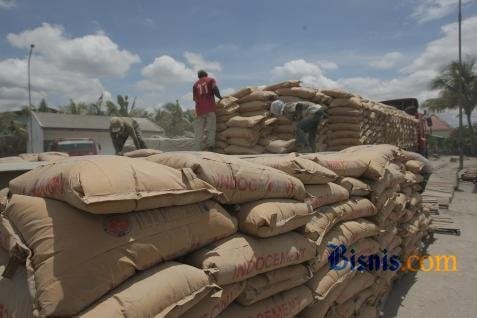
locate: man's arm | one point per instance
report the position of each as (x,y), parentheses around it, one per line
(194,94)
(132,133)
(215,89)
(115,142)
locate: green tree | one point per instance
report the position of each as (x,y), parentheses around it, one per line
(43,107)
(175,121)
(75,108)
(123,108)
(452,79)
(13,134)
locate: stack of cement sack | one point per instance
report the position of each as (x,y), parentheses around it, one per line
(201,234)
(32,157)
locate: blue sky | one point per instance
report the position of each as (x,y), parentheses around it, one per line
(151,49)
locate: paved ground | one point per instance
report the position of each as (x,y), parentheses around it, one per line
(440,294)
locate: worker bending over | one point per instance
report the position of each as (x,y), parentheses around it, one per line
(307,117)
(123,127)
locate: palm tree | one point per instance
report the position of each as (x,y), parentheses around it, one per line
(74,108)
(449,82)
(124,109)
(174,120)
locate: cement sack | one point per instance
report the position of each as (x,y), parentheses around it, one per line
(242,142)
(385,238)
(368,311)
(344,166)
(15,298)
(11,242)
(212,305)
(285,129)
(268,284)
(344,119)
(354,186)
(257,95)
(284,136)
(29,156)
(290,99)
(345,233)
(327,216)
(309,172)
(52,156)
(240,257)
(416,156)
(240,132)
(414,166)
(345,126)
(285,84)
(221,144)
(231,110)
(254,106)
(325,280)
(261,112)
(141,153)
(345,111)
(3,198)
(365,246)
(242,92)
(325,194)
(246,122)
(11,159)
(301,92)
(112,184)
(353,102)
(336,93)
(342,134)
(227,102)
(287,304)
(271,217)
(69,275)
(221,127)
(167,290)
(343,142)
(241,150)
(281,146)
(240,181)
(360,282)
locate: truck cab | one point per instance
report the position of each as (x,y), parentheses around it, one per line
(74,146)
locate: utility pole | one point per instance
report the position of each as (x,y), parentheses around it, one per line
(30,108)
(461,145)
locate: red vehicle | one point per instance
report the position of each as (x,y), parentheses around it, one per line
(75,146)
(411,106)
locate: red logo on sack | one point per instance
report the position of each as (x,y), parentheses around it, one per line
(117,225)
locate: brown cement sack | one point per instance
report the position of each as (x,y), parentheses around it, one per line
(221,144)
(246,122)
(325,280)
(360,282)
(141,153)
(254,106)
(353,102)
(329,215)
(257,95)
(281,146)
(242,92)
(285,84)
(301,92)
(29,156)
(242,142)
(112,184)
(11,159)
(345,126)
(212,305)
(290,99)
(167,290)
(241,150)
(344,166)
(285,129)
(69,274)
(240,181)
(336,93)
(365,246)
(226,102)
(265,285)
(286,304)
(52,156)
(271,217)
(354,186)
(261,112)
(345,111)
(308,171)
(240,257)
(3,198)
(344,119)
(342,134)
(15,298)
(325,194)
(368,311)
(240,132)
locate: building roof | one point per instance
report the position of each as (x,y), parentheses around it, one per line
(88,122)
(439,125)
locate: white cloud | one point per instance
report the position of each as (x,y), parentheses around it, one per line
(429,10)
(7,4)
(61,67)
(198,62)
(309,73)
(387,61)
(227,91)
(328,65)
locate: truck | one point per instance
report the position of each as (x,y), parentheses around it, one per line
(75,146)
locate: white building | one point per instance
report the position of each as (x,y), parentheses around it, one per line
(43,128)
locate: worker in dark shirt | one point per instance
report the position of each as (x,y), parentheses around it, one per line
(307,117)
(123,127)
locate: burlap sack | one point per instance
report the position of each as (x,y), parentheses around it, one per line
(285,84)
(257,95)
(265,285)
(52,156)
(11,242)
(29,156)
(256,105)
(344,119)
(239,257)
(290,99)
(281,146)
(246,122)
(284,136)
(221,127)
(271,217)
(345,111)
(241,150)
(309,172)
(345,233)
(360,282)
(365,246)
(325,194)
(386,237)
(286,304)
(15,298)
(167,290)
(343,142)
(3,198)
(342,165)
(342,134)
(242,92)
(368,311)
(261,112)
(345,126)
(242,142)
(329,215)
(239,180)
(212,305)
(301,92)
(11,159)
(336,93)
(240,132)
(285,129)
(221,144)
(354,186)
(112,184)
(141,153)
(325,280)
(353,102)
(69,274)
(227,102)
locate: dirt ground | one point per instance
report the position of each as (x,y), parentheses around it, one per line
(441,294)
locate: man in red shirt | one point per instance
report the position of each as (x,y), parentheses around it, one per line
(204,92)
